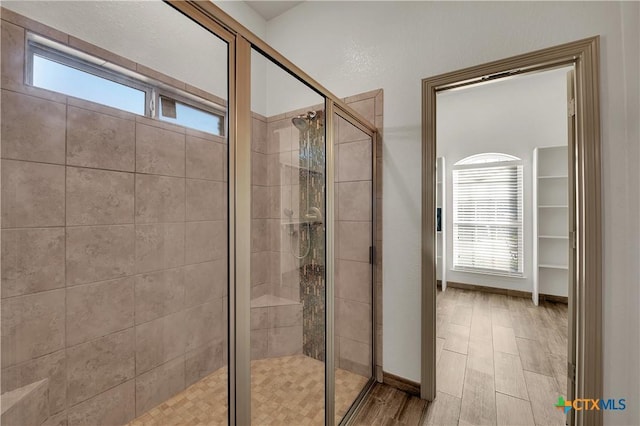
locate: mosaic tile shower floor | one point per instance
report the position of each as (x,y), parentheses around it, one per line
(284,391)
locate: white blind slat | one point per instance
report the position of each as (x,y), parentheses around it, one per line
(487,219)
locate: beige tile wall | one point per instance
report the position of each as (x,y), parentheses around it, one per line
(114,240)
(353,212)
(114,243)
(275,150)
(273,271)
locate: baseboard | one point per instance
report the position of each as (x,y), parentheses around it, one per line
(554,299)
(405,385)
(505,292)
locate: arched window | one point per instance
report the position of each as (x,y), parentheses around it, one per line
(487,214)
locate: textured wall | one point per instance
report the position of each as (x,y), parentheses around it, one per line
(114,241)
(393,45)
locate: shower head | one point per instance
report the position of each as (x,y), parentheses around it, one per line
(302,121)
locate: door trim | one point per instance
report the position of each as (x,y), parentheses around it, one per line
(586,166)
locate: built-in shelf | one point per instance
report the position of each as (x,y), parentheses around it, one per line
(553,177)
(302,222)
(548,266)
(298,167)
(550,221)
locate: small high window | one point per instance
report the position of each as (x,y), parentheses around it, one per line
(487,215)
(59,77)
(59,68)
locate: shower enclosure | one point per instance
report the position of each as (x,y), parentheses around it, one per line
(187,224)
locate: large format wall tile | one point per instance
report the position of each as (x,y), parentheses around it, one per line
(205,200)
(355,356)
(205,323)
(285,341)
(260,343)
(32,326)
(52,366)
(96,366)
(205,241)
(203,361)
(26,406)
(259,169)
(159,199)
(159,151)
(279,135)
(33,129)
(32,260)
(366,108)
(159,246)
(259,136)
(354,240)
(117,406)
(32,194)
(99,197)
(159,384)
(260,202)
(354,201)
(100,140)
(158,294)
(285,315)
(347,132)
(259,268)
(204,281)
(97,253)
(160,340)
(95,310)
(353,320)
(355,161)
(259,235)
(205,159)
(353,280)
(12,51)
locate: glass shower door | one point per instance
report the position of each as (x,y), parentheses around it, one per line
(114,215)
(287,306)
(353,289)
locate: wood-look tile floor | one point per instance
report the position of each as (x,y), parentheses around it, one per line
(386,405)
(500,360)
(284,391)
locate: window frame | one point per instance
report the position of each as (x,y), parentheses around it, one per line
(152,89)
(515,162)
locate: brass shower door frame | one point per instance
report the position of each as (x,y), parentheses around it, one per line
(585,293)
(241,41)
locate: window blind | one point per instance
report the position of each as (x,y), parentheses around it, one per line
(487,219)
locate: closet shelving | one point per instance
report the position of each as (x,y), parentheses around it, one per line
(551,222)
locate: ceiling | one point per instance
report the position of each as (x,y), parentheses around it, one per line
(270,9)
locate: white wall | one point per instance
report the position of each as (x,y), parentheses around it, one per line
(511,116)
(362,46)
(147,32)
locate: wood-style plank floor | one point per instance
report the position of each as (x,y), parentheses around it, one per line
(386,405)
(500,360)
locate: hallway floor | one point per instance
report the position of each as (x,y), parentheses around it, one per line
(285,391)
(500,360)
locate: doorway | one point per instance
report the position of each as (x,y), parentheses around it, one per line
(583,218)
